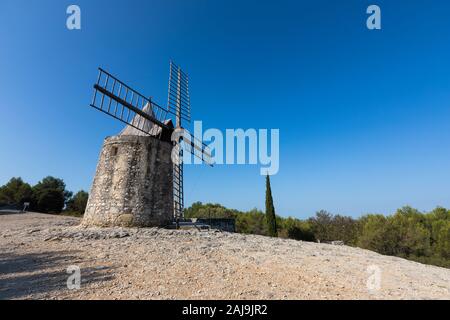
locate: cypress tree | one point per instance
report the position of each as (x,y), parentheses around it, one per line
(270,211)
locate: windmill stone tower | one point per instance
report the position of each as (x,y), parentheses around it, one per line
(136,182)
(133,184)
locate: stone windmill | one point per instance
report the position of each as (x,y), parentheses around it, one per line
(139,178)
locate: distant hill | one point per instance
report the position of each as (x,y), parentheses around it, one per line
(408,233)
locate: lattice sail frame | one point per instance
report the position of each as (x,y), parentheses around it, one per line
(118,100)
(179,104)
(178,100)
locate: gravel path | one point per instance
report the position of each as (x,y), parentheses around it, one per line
(119,263)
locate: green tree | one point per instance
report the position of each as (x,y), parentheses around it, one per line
(413,236)
(50,201)
(77,204)
(209,210)
(328,227)
(251,222)
(46,195)
(439,213)
(15,192)
(321,225)
(297,232)
(378,234)
(436,220)
(345,229)
(270,211)
(443,241)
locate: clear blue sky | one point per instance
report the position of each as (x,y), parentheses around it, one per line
(363,115)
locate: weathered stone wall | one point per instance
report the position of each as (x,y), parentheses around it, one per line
(133,183)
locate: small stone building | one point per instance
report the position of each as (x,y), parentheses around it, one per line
(133,184)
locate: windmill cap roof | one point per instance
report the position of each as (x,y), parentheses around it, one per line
(145,124)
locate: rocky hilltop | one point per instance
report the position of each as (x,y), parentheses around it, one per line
(127,263)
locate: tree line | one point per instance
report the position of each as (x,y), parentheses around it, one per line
(47,196)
